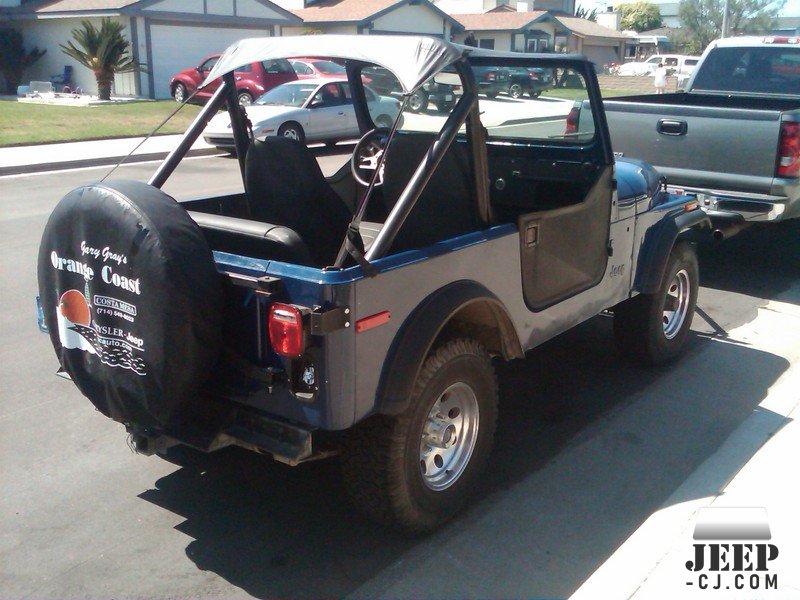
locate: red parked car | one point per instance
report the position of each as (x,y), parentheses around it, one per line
(317,67)
(251,80)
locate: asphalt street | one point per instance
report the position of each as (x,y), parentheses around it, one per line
(587,449)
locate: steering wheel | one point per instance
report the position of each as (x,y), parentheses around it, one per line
(366,155)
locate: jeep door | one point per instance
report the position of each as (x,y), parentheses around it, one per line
(555,183)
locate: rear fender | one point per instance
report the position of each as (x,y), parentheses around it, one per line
(461,308)
(658,243)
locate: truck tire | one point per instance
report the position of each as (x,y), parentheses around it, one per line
(651,329)
(414,471)
(132,301)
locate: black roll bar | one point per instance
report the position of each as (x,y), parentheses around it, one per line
(190,137)
(427,166)
(239,122)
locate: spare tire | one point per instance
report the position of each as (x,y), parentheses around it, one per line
(132,301)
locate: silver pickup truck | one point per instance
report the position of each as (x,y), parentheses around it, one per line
(732,139)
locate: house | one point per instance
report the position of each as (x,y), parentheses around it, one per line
(482,6)
(372,17)
(166,36)
(543,31)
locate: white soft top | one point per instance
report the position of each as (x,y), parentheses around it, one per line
(412,59)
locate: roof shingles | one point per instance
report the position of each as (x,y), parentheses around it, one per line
(349,11)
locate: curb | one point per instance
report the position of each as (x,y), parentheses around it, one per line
(98,162)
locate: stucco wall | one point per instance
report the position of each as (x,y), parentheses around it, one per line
(49,34)
(332,30)
(406,19)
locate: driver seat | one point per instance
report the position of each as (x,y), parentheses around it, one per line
(285,186)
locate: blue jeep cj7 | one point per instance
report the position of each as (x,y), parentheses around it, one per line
(359,314)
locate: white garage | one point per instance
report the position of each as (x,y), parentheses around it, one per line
(166,36)
(179,47)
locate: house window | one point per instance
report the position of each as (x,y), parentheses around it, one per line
(488,44)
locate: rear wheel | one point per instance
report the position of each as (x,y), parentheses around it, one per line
(245,99)
(515,90)
(652,328)
(414,471)
(534,94)
(491,94)
(418,101)
(292,131)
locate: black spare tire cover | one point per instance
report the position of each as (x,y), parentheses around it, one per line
(132,301)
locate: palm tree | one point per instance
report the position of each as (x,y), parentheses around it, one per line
(104,51)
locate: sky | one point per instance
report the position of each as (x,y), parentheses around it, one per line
(791,9)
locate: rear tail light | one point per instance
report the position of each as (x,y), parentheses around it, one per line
(572,120)
(286,332)
(491,75)
(789,150)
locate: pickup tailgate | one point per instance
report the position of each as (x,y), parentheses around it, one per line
(704,141)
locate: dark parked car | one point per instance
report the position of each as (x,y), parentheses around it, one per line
(491,80)
(252,80)
(442,95)
(531,81)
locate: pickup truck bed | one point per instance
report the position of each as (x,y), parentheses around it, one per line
(725,148)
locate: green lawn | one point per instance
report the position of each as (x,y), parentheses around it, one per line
(579,94)
(22,123)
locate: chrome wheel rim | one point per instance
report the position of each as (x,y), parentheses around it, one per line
(292,134)
(448,436)
(245,100)
(515,91)
(415,102)
(676,304)
(179,94)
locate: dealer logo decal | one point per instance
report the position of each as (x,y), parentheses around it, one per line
(738,555)
(113,346)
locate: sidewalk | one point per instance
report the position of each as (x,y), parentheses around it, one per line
(764,456)
(70,155)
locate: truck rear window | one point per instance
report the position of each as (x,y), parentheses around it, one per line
(766,70)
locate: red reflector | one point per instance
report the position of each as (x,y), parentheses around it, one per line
(789,150)
(286,333)
(373,321)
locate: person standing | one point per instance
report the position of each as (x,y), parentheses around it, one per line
(660,78)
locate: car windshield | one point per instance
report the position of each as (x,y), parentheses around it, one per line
(329,67)
(288,94)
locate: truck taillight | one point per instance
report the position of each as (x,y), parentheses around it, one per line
(490,75)
(286,333)
(572,120)
(789,150)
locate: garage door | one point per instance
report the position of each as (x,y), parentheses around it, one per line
(179,47)
(601,55)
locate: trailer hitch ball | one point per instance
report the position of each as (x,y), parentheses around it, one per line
(142,444)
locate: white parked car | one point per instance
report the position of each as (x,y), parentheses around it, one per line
(676,64)
(308,110)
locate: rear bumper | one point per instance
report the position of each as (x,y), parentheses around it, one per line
(741,206)
(234,426)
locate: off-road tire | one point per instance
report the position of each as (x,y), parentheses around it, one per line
(381,465)
(639,323)
(292,130)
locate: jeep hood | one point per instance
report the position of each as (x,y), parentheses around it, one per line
(636,178)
